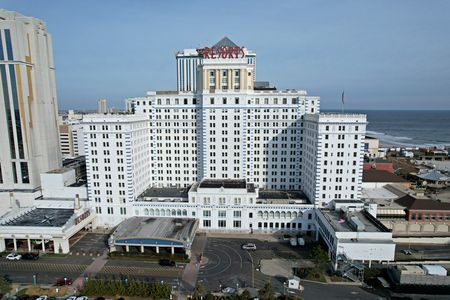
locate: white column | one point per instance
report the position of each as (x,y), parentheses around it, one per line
(29,245)
(2,245)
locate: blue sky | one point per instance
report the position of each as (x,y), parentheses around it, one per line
(384,54)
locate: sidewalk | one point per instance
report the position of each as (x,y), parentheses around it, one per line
(92,269)
(189,277)
(247,236)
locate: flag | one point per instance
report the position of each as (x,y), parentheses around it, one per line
(342,99)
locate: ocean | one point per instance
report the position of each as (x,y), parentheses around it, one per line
(409,128)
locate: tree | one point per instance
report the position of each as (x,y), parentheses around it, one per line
(5,286)
(267,292)
(199,291)
(245,295)
(319,254)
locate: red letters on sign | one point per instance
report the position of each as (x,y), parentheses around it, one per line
(225,52)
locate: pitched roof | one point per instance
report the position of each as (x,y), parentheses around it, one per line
(225,41)
(381,176)
(433,175)
(412,203)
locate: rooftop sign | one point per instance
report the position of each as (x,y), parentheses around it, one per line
(231,52)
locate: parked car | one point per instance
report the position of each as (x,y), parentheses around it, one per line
(249,246)
(13,256)
(407,251)
(63,281)
(30,256)
(167,262)
(228,290)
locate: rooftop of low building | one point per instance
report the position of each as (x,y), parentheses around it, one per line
(164,192)
(156,228)
(281,197)
(373,175)
(338,221)
(42,217)
(413,203)
(227,184)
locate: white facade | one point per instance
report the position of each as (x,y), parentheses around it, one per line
(333,157)
(28,108)
(241,209)
(255,135)
(117,149)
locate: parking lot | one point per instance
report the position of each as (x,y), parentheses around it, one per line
(226,264)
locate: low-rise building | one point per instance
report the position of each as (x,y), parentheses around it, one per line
(352,234)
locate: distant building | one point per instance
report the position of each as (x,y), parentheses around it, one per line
(372,178)
(371,147)
(101,106)
(28,108)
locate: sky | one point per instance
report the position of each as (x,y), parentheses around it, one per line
(384,54)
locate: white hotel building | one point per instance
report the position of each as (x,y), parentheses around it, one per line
(265,143)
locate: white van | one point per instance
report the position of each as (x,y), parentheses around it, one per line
(293,242)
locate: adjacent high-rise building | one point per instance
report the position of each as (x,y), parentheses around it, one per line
(333,147)
(28,108)
(117,163)
(101,106)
